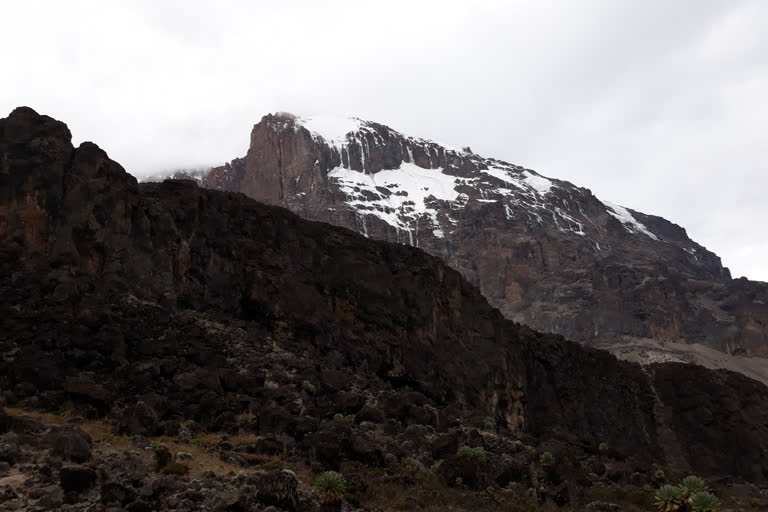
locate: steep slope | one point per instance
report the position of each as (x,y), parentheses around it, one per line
(545,252)
(159,303)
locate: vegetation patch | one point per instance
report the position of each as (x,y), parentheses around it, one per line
(467,451)
(546,459)
(691,494)
(175,468)
(330,487)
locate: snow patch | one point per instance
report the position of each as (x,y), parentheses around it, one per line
(503,175)
(397,196)
(525,180)
(539,183)
(627,219)
(333,130)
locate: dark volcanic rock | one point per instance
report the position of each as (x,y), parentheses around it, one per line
(69,443)
(695,399)
(139,419)
(210,307)
(545,252)
(114,493)
(77,478)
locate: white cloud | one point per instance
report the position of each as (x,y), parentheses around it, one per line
(657,105)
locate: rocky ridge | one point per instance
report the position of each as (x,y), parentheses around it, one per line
(161,308)
(545,252)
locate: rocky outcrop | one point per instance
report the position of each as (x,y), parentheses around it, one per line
(545,252)
(43,479)
(168,307)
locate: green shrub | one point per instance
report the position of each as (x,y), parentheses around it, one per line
(546,459)
(693,484)
(162,454)
(489,423)
(668,498)
(467,451)
(659,475)
(330,486)
(200,443)
(338,417)
(692,494)
(603,447)
(704,502)
(183,455)
(410,463)
(175,468)
(308,387)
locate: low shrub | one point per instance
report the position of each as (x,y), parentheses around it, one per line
(175,468)
(691,494)
(693,484)
(330,487)
(410,464)
(704,501)
(162,454)
(467,451)
(667,497)
(183,455)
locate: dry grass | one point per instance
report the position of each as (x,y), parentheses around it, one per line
(14,480)
(100,431)
(105,438)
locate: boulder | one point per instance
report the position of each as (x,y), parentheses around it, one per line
(77,478)
(140,419)
(115,493)
(69,443)
(445,445)
(372,414)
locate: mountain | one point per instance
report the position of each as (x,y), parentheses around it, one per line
(169,309)
(543,251)
(195,174)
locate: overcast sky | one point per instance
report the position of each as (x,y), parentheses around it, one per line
(661,106)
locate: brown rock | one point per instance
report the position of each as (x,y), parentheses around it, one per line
(69,443)
(77,478)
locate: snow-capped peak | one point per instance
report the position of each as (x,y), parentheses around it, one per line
(332,129)
(404,184)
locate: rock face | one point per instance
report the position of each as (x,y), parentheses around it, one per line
(545,252)
(158,304)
